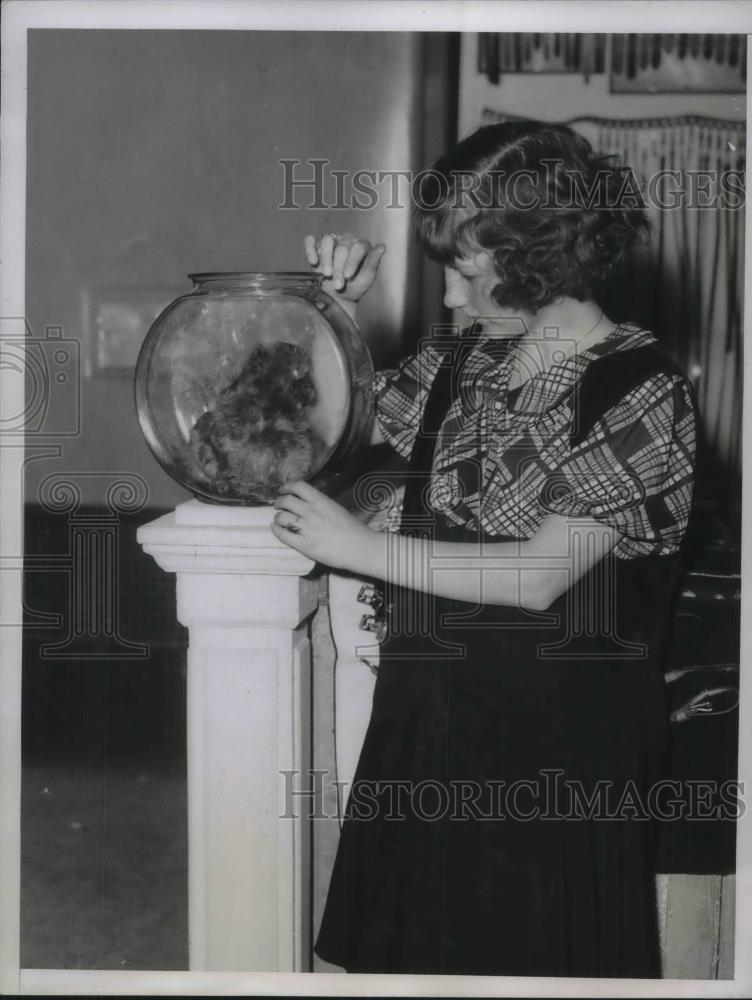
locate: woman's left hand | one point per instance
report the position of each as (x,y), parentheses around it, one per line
(321,529)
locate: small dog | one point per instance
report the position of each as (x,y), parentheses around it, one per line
(258,436)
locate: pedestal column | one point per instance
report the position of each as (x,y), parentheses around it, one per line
(246,601)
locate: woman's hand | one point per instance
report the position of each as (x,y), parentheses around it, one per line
(349,265)
(322,529)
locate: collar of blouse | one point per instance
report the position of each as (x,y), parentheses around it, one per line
(539,385)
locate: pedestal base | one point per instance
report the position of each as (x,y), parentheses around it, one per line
(243,596)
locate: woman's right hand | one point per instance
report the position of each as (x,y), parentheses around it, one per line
(349,265)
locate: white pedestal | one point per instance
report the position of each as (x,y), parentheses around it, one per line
(243,596)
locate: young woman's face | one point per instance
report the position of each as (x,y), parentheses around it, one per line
(468,285)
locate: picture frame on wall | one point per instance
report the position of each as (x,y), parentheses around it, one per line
(115,321)
(678,63)
(540,52)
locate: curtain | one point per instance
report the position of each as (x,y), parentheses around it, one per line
(687,286)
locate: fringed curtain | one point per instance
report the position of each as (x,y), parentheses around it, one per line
(688,284)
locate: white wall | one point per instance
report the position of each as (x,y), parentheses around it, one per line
(152,154)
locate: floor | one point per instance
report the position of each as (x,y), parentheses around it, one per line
(104,878)
(104,868)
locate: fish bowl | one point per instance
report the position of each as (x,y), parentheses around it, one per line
(252,380)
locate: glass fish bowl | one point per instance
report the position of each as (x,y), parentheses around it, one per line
(252,380)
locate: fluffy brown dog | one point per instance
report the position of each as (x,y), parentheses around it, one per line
(259,436)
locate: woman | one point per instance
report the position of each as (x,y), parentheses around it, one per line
(499,821)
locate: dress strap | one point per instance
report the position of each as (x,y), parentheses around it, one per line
(441,395)
(609,379)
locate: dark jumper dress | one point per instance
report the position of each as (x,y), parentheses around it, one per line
(442,866)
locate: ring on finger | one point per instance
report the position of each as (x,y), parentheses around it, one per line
(293,526)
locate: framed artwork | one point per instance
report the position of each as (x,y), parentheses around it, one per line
(540,52)
(667,64)
(115,322)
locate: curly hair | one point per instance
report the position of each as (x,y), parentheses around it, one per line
(556,218)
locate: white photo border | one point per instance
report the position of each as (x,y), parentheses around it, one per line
(325,15)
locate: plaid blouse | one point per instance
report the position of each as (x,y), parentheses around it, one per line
(503,458)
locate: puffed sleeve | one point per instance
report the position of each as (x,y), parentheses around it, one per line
(400,396)
(634,470)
